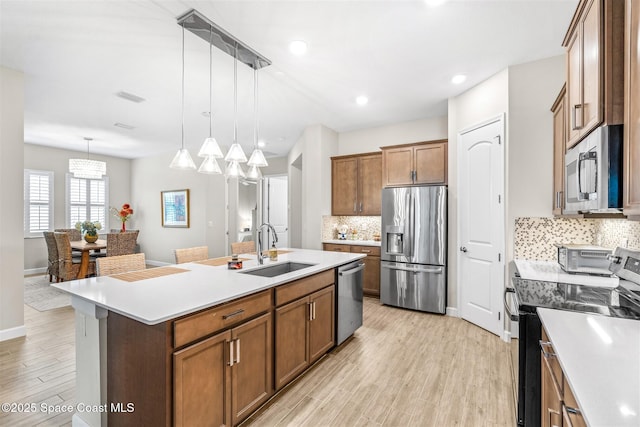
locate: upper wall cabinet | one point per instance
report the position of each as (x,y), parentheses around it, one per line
(356,184)
(595,73)
(415,164)
(559,146)
(631,183)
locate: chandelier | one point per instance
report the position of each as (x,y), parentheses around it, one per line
(87,168)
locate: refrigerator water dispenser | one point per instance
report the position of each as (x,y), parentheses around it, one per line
(395,240)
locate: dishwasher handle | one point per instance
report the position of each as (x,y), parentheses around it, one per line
(351,271)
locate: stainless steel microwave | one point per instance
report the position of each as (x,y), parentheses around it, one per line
(593,173)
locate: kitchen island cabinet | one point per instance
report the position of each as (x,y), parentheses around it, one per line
(196,344)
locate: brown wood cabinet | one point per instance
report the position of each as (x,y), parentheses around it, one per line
(631,183)
(356,184)
(559,146)
(415,164)
(559,406)
(371,278)
(304,331)
(595,72)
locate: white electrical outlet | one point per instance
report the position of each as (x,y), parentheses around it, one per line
(624,242)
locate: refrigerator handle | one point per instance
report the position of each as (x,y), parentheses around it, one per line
(412,225)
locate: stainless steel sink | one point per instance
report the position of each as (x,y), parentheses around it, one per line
(277,269)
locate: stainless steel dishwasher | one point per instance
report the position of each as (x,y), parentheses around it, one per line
(349,301)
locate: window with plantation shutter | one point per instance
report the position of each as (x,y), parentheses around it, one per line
(87,200)
(38,202)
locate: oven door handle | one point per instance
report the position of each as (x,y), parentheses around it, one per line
(512,317)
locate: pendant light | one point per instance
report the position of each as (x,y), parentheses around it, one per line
(235,154)
(210,149)
(182,159)
(254,173)
(234,169)
(86,168)
(257,157)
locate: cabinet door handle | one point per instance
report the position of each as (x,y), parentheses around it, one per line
(355,206)
(310,311)
(561,200)
(314,310)
(557,200)
(230,353)
(360,206)
(230,315)
(543,346)
(238,350)
(366,251)
(575,116)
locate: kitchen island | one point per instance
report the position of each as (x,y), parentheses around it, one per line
(136,339)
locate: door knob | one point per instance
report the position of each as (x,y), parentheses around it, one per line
(463,249)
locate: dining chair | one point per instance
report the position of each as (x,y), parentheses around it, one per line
(120,264)
(120,244)
(198,253)
(68,266)
(243,247)
(74,233)
(52,250)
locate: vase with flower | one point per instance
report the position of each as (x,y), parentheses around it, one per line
(123,214)
(89,229)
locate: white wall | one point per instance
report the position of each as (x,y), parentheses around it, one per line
(11,194)
(57,160)
(150,176)
(313,197)
(532,89)
(368,140)
(484,101)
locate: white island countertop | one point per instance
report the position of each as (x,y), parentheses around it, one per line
(600,357)
(155,300)
(550,271)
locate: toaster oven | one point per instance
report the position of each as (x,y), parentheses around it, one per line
(584,259)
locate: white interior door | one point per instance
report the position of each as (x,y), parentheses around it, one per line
(275,207)
(481,224)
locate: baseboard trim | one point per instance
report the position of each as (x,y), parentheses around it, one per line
(11,333)
(452,311)
(32,271)
(506,336)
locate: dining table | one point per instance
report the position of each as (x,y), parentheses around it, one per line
(85,248)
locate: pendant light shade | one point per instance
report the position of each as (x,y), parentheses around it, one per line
(235,154)
(182,159)
(234,169)
(86,168)
(210,148)
(257,158)
(254,173)
(210,166)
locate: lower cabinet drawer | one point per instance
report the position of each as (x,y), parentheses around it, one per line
(214,319)
(299,288)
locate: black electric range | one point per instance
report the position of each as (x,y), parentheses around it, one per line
(622,301)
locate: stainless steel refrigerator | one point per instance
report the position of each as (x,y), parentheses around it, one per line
(413,269)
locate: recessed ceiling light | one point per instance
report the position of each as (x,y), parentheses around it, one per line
(434,3)
(298,47)
(458,78)
(261,144)
(362,100)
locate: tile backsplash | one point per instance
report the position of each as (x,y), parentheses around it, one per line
(365,226)
(534,238)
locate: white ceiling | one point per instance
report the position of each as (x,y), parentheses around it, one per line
(76,55)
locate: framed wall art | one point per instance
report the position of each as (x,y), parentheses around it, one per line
(175,208)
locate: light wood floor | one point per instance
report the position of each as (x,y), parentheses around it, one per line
(402,368)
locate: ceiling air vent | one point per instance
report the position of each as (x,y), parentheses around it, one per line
(130,97)
(124,126)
